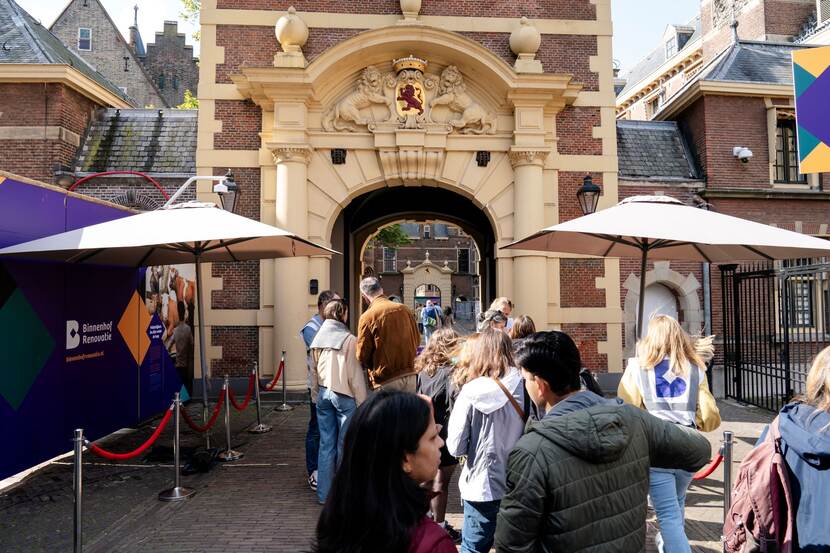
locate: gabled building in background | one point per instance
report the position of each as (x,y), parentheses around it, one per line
(48,95)
(87,29)
(171,64)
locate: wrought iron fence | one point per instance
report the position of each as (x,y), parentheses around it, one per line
(776,318)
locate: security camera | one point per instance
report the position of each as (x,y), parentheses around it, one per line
(742,153)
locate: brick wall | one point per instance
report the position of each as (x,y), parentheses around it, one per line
(692,123)
(240,348)
(559,9)
(39,105)
(586,336)
(578,282)
(241,125)
(113,189)
(170,56)
(575,127)
(108,50)
(784,18)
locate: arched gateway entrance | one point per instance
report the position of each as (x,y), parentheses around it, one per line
(405,121)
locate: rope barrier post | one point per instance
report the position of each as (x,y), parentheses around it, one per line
(78,537)
(284,406)
(727,472)
(205,417)
(177,492)
(229,454)
(259,428)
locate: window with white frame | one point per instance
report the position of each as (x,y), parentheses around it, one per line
(786,153)
(390,260)
(671,47)
(84,39)
(427,231)
(463,260)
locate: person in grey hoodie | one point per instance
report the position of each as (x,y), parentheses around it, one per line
(577,481)
(805,438)
(486,421)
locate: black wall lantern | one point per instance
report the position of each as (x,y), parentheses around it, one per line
(482,158)
(228,192)
(588,195)
(338,156)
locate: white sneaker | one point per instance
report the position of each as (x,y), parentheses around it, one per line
(312,481)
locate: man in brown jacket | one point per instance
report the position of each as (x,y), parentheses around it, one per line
(387,338)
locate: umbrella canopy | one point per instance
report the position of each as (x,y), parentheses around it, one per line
(169,236)
(192,232)
(660,227)
(668,229)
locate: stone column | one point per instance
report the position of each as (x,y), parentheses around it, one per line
(291,274)
(530,278)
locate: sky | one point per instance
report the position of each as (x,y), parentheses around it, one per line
(638,24)
(151,15)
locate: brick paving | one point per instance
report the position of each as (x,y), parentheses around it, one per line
(257,504)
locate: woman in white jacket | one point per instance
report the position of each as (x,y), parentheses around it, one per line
(339,383)
(487,420)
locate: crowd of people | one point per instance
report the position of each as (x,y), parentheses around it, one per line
(547,462)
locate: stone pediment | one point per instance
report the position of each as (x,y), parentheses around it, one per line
(410,98)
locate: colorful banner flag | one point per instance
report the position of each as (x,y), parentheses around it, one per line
(811,76)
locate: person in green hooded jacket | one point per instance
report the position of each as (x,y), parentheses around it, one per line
(577,480)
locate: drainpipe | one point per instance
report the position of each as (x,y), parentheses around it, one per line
(707,299)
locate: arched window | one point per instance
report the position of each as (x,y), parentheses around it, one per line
(175,82)
(161,81)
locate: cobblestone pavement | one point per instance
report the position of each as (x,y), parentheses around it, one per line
(257,504)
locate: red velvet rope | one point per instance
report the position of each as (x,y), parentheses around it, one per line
(247,396)
(708,469)
(141,449)
(210,421)
(273,383)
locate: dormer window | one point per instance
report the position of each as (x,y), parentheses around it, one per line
(671,47)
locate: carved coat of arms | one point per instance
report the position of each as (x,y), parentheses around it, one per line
(410,94)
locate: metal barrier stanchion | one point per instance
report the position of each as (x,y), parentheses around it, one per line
(727,472)
(78,538)
(259,428)
(177,492)
(284,406)
(229,454)
(205,416)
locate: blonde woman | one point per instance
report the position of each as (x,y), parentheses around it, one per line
(486,422)
(435,368)
(668,379)
(804,426)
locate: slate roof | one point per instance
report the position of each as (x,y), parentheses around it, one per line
(754,62)
(155,141)
(654,150)
(657,57)
(25,40)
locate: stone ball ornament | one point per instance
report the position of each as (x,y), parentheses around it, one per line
(291,31)
(526,39)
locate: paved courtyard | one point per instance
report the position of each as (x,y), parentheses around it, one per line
(260,503)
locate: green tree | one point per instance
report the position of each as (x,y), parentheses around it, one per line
(190,101)
(190,12)
(392,236)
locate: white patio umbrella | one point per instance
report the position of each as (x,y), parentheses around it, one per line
(660,227)
(192,232)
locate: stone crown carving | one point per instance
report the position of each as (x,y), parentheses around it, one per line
(410,99)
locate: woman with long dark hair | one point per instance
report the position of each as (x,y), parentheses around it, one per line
(376,502)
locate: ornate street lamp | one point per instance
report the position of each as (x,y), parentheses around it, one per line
(588,195)
(228,192)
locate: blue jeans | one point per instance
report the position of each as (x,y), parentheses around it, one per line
(428,330)
(479,529)
(668,494)
(333,413)
(312,439)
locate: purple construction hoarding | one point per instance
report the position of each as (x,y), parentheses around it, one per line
(76,349)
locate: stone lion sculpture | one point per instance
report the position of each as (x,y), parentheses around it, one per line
(345,115)
(452,92)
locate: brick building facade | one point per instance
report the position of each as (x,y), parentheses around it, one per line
(171,64)
(87,29)
(274,107)
(49,95)
(739,95)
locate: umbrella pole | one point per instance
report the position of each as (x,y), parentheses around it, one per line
(200,313)
(642,299)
